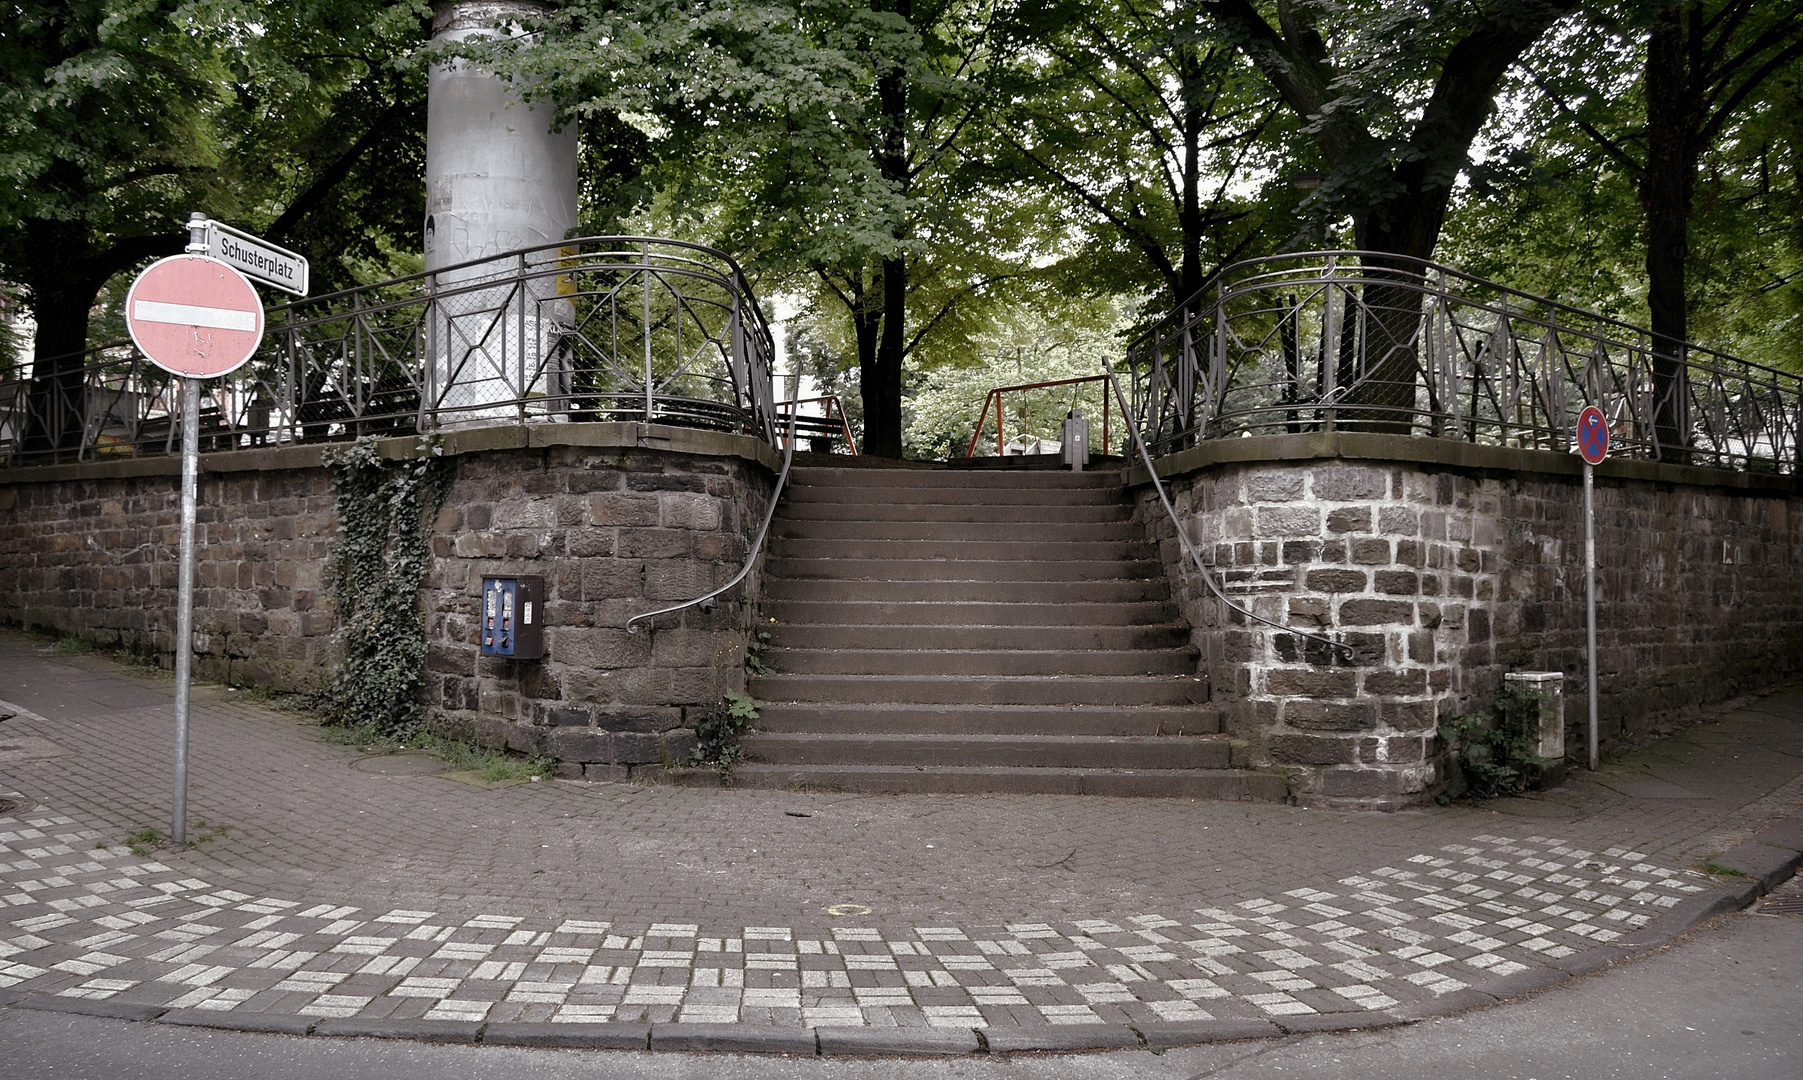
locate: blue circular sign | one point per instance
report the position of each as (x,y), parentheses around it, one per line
(1593,435)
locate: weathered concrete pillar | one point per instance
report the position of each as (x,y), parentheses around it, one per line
(498,180)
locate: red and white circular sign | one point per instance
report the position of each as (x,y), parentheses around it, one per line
(194,316)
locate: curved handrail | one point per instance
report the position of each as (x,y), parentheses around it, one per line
(751,557)
(1189,548)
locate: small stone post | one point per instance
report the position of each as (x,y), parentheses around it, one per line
(1549,737)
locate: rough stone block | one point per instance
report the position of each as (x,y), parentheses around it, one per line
(1329,715)
(1396,582)
(1363,783)
(1302,682)
(1364,612)
(1288,521)
(1372,551)
(581,744)
(1313,750)
(1337,483)
(1398,521)
(1283,486)
(1337,581)
(1349,519)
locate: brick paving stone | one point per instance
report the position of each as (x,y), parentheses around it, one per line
(413,902)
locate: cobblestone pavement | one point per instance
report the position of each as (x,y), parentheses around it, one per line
(340,884)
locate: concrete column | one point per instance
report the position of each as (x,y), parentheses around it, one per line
(498,180)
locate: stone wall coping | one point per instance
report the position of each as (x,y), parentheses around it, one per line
(678,440)
(1421,449)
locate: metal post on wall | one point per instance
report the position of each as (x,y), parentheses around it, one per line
(1590,598)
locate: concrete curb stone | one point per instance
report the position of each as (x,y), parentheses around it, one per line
(1450,1004)
(438,1031)
(849,1041)
(1059,1037)
(118,1010)
(1192,1032)
(1767,864)
(733,1039)
(274,1024)
(598,1036)
(1785,834)
(1688,913)
(1525,982)
(1337,1021)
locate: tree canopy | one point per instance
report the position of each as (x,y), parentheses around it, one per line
(922,179)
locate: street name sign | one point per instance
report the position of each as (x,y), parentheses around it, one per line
(260,259)
(1593,435)
(194,316)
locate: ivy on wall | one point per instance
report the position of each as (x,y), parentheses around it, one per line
(377,566)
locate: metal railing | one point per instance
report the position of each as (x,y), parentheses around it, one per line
(996,395)
(1352,340)
(600,328)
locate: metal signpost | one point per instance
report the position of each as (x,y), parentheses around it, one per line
(1593,446)
(197,318)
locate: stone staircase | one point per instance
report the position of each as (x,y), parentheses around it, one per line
(963,630)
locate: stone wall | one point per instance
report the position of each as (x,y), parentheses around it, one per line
(618,518)
(613,533)
(90,551)
(1445,565)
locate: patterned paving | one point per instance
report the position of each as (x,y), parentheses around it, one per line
(87,921)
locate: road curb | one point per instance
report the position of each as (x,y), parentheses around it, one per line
(435,1031)
(232,1021)
(1059,1037)
(1308,1024)
(117,1010)
(545,1035)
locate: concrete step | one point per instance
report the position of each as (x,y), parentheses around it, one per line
(1225,784)
(833,718)
(1064,532)
(990,751)
(947,479)
(968,512)
(937,613)
(982,662)
(962,550)
(795,569)
(883,636)
(982,689)
(987,592)
(997,495)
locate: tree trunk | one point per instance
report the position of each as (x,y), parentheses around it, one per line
(1666,189)
(880,377)
(1386,314)
(61,290)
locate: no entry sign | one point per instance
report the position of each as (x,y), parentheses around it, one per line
(194,316)
(1593,435)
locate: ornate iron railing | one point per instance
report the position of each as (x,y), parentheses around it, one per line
(1361,341)
(600,328)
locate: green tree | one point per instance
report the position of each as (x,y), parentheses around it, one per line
(1393,96)
(118,117)
(819,138)
(1136,117)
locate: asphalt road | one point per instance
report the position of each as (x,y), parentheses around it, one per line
(1722,1002)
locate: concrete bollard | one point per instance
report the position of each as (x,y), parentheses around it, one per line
(1549,736)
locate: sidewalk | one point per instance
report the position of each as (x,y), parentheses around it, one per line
(354,893)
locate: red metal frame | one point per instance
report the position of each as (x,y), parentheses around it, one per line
(831,400)
(996,396)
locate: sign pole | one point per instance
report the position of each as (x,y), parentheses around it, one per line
(184,609)
(197,317)
(1590,597)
